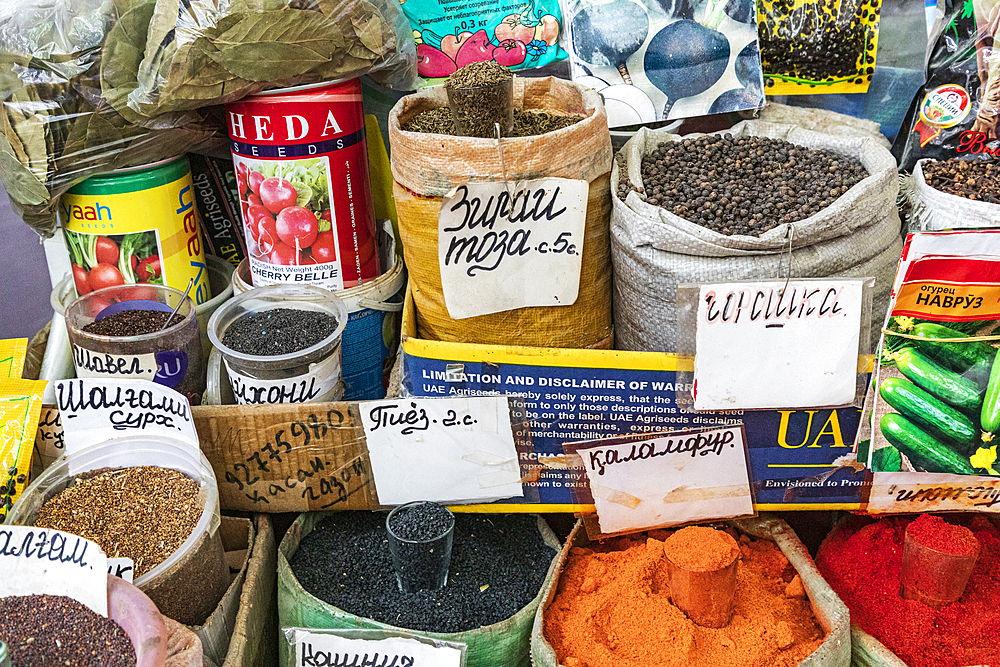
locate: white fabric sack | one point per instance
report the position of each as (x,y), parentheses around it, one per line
(653,250)
(933,210)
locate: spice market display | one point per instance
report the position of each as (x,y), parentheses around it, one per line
(596,333)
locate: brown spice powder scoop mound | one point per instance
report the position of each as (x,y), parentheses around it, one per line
(701,548)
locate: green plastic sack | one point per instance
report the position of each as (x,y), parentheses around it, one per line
(503,644)
(831,613)
(866,651)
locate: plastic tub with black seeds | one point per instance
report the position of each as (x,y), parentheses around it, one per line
(335,571)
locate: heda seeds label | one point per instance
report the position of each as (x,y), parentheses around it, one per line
(302,174)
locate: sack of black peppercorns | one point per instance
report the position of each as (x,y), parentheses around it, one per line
(953,194)
(748,203)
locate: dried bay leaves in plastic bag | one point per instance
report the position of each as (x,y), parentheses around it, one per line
(269,46)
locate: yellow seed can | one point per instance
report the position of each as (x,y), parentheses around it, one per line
(136,226)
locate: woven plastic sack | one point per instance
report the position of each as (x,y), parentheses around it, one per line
(654,250)
(503,644)
(830,611)
(933,210)
(425,167)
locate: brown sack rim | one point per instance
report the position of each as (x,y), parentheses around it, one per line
(433,164)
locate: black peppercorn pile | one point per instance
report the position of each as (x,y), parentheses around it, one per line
(56,630)
(817,42)
(498,564)
(745,185)
(972,179)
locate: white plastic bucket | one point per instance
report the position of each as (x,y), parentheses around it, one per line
(372,333)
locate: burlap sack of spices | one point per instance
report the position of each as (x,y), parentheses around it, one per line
(503,644)
(830,612)
(425,167)
(654,250)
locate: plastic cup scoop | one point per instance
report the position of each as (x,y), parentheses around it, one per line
(936,572)
(701,571)
(476,110)
(420,540)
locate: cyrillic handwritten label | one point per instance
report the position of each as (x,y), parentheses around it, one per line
(765,345)
(49,437)
(454,450)
(347,649)
(674,478)
(504,245)
(906,492)
(39,561)
(306,388)
(91,364)
(96,410)
(123,568)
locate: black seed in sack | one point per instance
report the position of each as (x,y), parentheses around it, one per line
(421,522)
(498,565)
(744,185)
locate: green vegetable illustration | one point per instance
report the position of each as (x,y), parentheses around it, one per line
(922,449)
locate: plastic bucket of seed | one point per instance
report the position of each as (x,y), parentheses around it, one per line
(829,611)
(499,644)
(117,332)
(281,344)
(185,584)
(371,336)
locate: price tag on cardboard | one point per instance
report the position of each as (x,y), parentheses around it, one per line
(49,438)
(765,345)
(503,246)
(97,410)
(39,561)
(324,648)
(447,450)
(644,482)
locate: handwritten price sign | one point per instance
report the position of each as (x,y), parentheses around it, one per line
(454,450)
(503,246)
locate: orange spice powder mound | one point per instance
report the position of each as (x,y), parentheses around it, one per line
(612,609)
(701,548)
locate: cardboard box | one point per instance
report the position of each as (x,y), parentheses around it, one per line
(286,458)
(795,455)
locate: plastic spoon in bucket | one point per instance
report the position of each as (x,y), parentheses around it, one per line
(178,306)
(608,34)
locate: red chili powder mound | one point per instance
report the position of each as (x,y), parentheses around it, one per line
(936,533)
(701,548)
(612,609)
(862,562)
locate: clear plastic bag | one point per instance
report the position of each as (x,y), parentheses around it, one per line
(89,86)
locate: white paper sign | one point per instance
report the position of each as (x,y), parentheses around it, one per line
(326,649)
(668,480)
(758,346)
(906,492)
(39,561)
(96,410)
(309,387)
(503,246)
(448,450)
(123,568)
(90,364)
